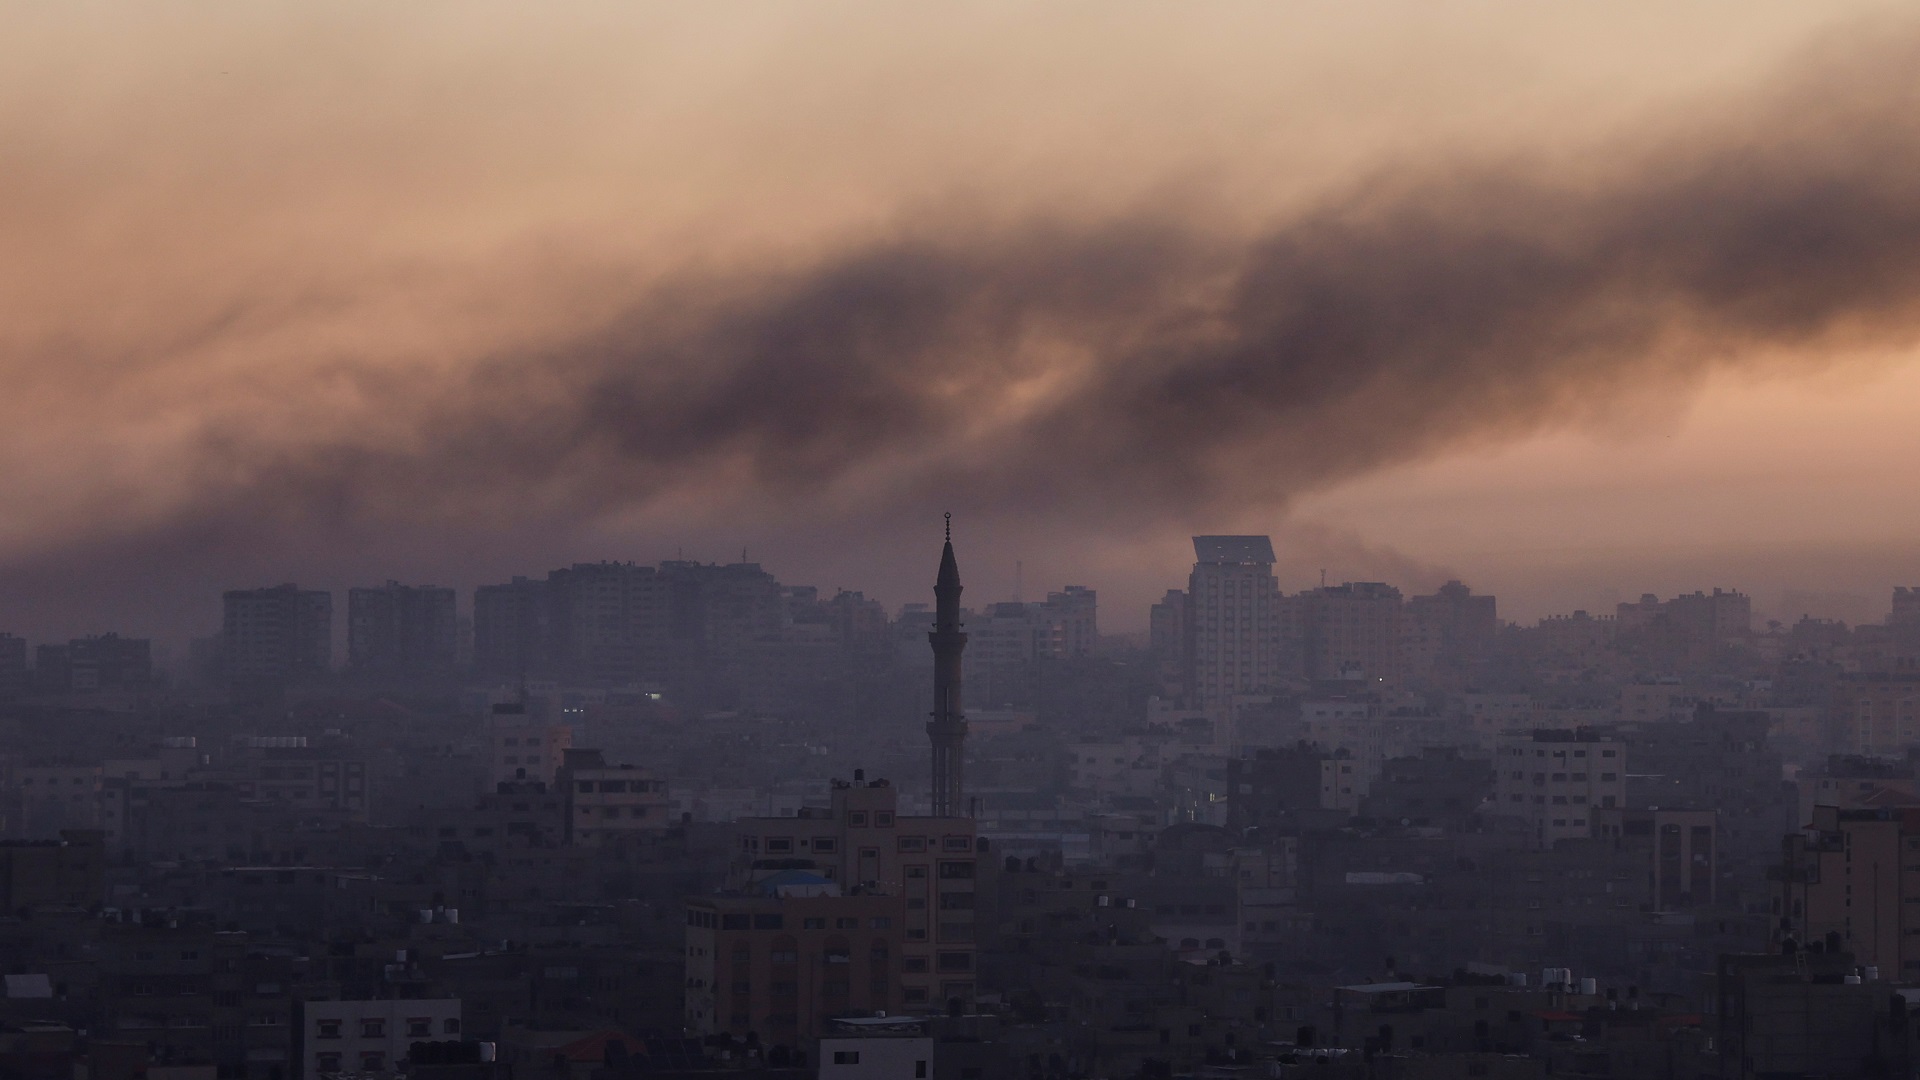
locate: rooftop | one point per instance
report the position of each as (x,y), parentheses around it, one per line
(1233,549)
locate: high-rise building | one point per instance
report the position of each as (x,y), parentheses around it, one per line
(1233,620)
(1073,615)
(1445,632)
(688,627)
(948,729)
(511,629)
(1167,624)
(278,634)
(1004,642)
(608,621)
(109,662)
(1906,607)
(13,665)
(401,630)
(1686,631)
(1351,632)
(1167,641)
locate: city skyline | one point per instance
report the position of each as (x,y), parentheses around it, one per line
(871,541)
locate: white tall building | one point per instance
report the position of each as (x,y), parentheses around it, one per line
(1233,623)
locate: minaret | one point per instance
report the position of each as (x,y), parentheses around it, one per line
(948,728)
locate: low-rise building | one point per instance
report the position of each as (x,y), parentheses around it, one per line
(606,803)
(332,1037)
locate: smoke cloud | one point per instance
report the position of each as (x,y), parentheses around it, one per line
(1126,375)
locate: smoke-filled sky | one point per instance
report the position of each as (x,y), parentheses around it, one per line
(1572,302)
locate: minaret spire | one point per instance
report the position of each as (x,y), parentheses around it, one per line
(948,728)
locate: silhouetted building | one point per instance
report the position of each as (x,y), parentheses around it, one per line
(68,872)
(1351,632)
(1805,1014)
(511,630)
(278,634)
(1446,632)
(109,662)
(402,631)
(13,665)
(100,662)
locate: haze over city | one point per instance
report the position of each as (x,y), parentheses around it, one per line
(859,541)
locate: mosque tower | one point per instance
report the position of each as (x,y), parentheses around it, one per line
(948,728)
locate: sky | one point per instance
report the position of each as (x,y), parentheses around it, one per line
(1571,302)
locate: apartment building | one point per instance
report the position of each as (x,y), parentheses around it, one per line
(607,803)
(1234,621)
(861,842)
(1554,779)
(334,1037)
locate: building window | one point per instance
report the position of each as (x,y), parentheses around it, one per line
(956,961)
(882,819)
(450,1026)
(846,1057)
(779,843)
(813,922)
(912,843)
(824,844)
(372,1061)
(420,1027)
(857,818)
(373,1029)
(326,1029)
(327,1063)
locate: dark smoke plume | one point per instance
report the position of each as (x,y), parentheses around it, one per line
(1118,375)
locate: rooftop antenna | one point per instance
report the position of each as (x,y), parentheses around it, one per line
(1323,577)
(1019,571)
(949,526)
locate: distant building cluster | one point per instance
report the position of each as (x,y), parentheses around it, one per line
(630,821)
